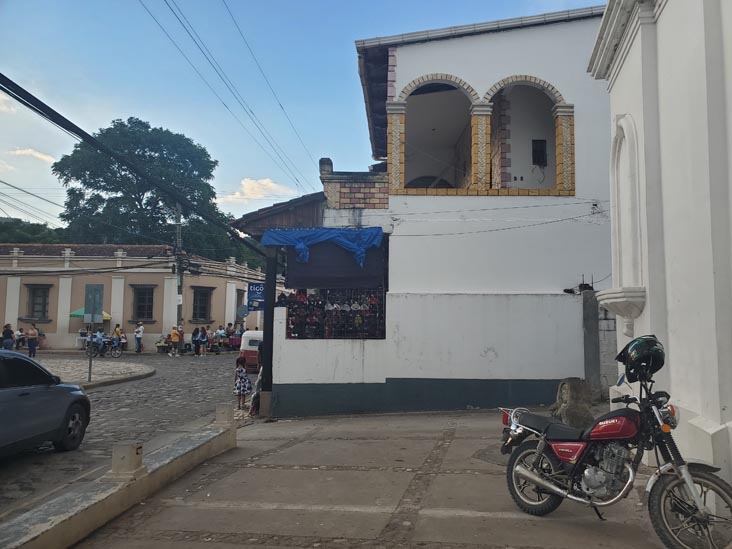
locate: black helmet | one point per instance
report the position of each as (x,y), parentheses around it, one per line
(642,357)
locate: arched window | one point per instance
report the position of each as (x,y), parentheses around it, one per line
(437,151)
(532,136)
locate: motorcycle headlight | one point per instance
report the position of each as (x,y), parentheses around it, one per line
(671,416)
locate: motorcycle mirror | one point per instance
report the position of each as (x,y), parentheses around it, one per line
(621,380)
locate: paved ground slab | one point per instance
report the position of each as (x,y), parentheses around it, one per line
(337,483)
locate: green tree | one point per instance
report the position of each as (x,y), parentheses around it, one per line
(22,232)
(105,203)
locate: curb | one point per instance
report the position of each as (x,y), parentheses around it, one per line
(81,510)
(114,380)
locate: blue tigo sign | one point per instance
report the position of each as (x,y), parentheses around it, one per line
(255,296)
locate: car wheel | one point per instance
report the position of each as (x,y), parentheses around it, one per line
(73,430)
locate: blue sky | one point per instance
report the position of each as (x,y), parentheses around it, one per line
(97,60)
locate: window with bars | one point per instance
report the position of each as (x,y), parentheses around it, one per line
(38,301)
(202,303)
(337,314)
(143,302)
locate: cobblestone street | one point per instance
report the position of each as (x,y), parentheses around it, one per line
(183,390)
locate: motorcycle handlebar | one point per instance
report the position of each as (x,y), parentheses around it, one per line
(624,399)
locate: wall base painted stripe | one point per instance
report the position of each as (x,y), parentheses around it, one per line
(409,395)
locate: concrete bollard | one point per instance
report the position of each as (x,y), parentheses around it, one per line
(126,462)
(224,416)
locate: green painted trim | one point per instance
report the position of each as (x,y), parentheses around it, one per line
(408,395)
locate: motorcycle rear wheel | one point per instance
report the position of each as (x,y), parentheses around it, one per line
(671,512)
(528,497)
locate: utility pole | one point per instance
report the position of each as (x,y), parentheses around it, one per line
(270,294)
(179,262)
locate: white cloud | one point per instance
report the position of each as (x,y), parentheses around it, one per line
(5,167)
(43,157)
(257,189)
(6,104)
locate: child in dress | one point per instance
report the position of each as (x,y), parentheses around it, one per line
(242,385)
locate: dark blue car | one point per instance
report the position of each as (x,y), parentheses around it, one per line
(37,407)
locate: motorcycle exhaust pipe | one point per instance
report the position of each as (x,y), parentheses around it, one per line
(544,484)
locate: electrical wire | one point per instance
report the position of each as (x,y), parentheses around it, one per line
(12,88)
(269,84)
(237,95)
(200,44)
(97,270)
(501,229)
(211,88)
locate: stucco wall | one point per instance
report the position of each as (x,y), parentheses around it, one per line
(518,336)
(462,245)
(673,91)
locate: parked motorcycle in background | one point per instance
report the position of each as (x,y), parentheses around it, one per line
(689,506)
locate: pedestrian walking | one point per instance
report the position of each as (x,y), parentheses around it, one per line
(242,385)
(8,337)
(174,342)
(117,335)
(196,342)
(32,338)
(139,331)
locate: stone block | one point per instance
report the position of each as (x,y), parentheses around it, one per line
(126,462)
(574,401)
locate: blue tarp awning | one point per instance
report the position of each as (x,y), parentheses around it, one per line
(356,241)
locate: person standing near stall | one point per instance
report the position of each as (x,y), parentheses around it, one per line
(32,339)
(8,337)
(138,337)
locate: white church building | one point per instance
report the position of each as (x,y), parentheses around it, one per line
(671,116)
(491,187)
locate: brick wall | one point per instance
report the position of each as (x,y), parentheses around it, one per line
(367,195)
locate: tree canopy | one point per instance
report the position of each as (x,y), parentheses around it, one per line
(105,203)
(22,232)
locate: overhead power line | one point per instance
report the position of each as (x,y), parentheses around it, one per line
(52,223)
(211,88)
(500,229)
(14,90)
(269,84)
(221,73)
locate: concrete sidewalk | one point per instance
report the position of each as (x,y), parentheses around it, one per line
(427,480)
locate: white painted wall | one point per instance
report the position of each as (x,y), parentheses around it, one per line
(673,93)
(455,252)
(531,117)
(518,336)
(557,53)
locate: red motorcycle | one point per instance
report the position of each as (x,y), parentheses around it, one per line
(689,506)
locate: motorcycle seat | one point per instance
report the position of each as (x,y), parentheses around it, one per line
(561,431)
(553,428)
(537,422)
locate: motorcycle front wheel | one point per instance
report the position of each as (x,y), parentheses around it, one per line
(529,497)
(116,352)
(674,516)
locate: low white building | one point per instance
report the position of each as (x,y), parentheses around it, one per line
(491,186)
(668,66)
